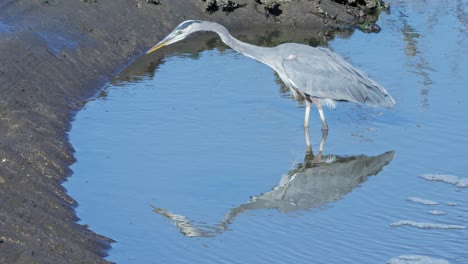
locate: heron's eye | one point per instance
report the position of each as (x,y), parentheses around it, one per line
(179,32)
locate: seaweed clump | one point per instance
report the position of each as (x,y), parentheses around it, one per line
(227,6)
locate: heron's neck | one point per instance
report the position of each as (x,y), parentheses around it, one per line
(249,50)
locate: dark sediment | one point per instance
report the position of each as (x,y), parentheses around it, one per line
(56,54)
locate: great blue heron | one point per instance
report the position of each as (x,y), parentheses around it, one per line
(319,75)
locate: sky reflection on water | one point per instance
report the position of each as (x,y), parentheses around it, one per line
(198,133)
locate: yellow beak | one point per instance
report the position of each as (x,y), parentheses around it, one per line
(157,46)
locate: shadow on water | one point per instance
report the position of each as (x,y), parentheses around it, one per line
(319,180)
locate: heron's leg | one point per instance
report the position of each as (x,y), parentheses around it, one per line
(320,110)
(307,140)
(310,157)
(318,157)
(307,110)
(322,141)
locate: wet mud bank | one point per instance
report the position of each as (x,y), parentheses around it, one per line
(55,55)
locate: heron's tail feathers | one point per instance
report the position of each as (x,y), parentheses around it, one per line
(330,103)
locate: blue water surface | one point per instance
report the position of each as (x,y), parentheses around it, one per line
(203,160)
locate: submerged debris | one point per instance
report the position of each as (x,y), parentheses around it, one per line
(369,27)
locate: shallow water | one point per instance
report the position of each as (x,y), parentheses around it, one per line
(200,157)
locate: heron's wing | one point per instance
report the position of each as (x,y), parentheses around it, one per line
(321,73)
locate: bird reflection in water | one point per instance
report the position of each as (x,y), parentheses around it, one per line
(319,180)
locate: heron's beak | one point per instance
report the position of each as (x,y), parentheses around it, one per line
(161,44)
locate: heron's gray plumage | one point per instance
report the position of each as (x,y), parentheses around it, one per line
(318,74)
(321,73)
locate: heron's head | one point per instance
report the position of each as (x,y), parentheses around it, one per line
(179,33)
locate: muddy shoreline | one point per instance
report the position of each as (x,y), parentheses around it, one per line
(54,56)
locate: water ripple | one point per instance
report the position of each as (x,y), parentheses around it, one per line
(416,259)
(437,212)
(421,201)
(423,225)
(451,179)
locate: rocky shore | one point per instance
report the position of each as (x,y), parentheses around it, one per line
(56,54)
